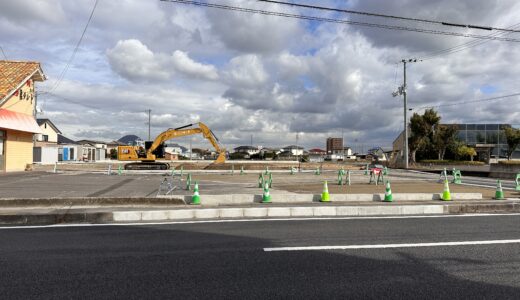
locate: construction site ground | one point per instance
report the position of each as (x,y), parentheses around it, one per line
(92,180)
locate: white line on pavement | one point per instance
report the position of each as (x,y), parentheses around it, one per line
(255,220)
(386,246)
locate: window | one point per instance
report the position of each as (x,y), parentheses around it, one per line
(45,138)
(45,125)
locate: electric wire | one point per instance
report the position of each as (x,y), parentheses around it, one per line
(67,65)
(504,97)
(462,47)
(347,22)
(390,16)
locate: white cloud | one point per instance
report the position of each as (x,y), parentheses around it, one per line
(133,60)
(246,71)
(183,63)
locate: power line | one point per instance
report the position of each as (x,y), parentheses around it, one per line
(462,47)
(390,16)
(347,22)
(471,101)
(67,66)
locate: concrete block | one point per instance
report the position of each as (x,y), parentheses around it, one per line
(242,199)
(206,213)
(347,211)
(279,212)
(256,212)
(324,211)
(215,200)
(466,196)
(369,210)
(154,215)
(433,209)
(412,209)
(290,198)
(231,213)
(360,197)
(126,216)
(302,212)
(390,210)
(181,214)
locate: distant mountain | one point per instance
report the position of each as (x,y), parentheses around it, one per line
(129,139)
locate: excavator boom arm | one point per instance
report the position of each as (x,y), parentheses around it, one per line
(175,133)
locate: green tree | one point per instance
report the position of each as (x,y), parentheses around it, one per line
(513,140)
(421,127)
(113,153)
(465,151)
(443,137)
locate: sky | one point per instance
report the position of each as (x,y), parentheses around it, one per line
(274,80)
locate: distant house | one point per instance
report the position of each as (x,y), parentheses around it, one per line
(249,150)
(175,149)
(287,155)
(317,155)
(45,150)
(68,150)
(93,150)
(294,150)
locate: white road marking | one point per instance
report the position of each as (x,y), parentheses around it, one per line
(387,246)
(254,220)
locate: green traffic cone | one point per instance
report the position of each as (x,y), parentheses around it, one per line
(325,197)
(446,196)
(241,170)
(195,199)
(499,194)
(120,170)
(266,197)
(388,193)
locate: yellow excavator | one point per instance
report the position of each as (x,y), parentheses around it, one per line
(155,149)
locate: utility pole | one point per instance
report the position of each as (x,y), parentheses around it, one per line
(405,117)
(149,111)
(402,91)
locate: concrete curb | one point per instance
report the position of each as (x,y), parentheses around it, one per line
(217,200)
(186,213)
(237,199)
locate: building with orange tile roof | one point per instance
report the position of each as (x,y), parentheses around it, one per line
(17,113)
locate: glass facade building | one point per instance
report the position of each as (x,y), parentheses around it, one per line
(490,136)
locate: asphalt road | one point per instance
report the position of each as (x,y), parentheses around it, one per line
(227,260)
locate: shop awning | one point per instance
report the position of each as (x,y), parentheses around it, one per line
(18,121)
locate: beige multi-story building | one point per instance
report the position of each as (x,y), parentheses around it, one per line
(17,113)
